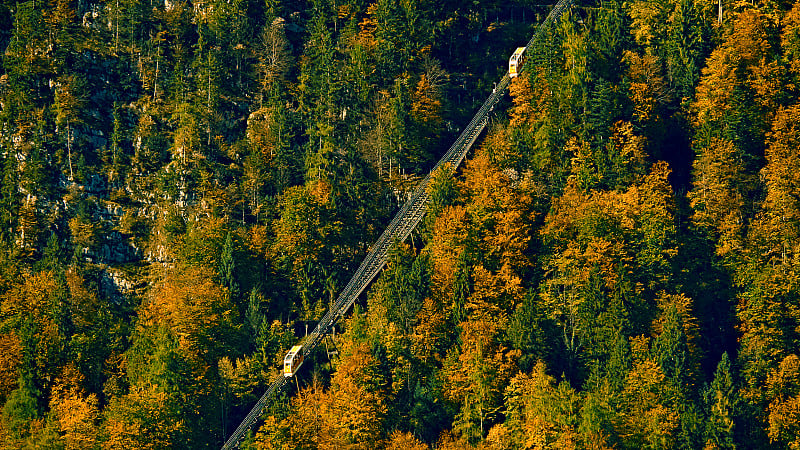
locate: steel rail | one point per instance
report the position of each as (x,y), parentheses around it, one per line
(401,226)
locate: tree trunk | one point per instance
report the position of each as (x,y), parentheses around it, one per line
(69,151)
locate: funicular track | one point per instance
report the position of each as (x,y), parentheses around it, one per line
(404,222)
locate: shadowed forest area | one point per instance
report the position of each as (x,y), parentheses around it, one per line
(186,186)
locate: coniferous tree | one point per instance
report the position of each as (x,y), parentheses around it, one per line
(228,268)
(722,406)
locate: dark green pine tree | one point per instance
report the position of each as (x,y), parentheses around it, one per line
(404,285)
(672,352)
(398,132)
(390,42)
(208,67)
(9,201)
(228,268)
(722,402)
(117,166)
(53,255)
(24,58)
(531,331)
(318,86)
(619,362)
(462,285)
(671,348)
(20,410)
(254,315)
(71,99)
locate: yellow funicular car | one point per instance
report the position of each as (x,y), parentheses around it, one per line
(292,361)
(516,62)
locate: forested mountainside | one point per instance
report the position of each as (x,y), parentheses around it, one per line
(186,186)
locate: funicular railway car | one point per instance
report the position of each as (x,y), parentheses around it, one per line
(516,62)
(292,361)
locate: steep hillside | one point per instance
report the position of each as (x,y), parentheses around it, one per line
(186,187)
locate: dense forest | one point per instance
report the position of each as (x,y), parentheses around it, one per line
(186,186)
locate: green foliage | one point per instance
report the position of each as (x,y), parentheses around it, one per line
(228,268)
(529,330)
(722,403)
(185,189)
(19,413)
